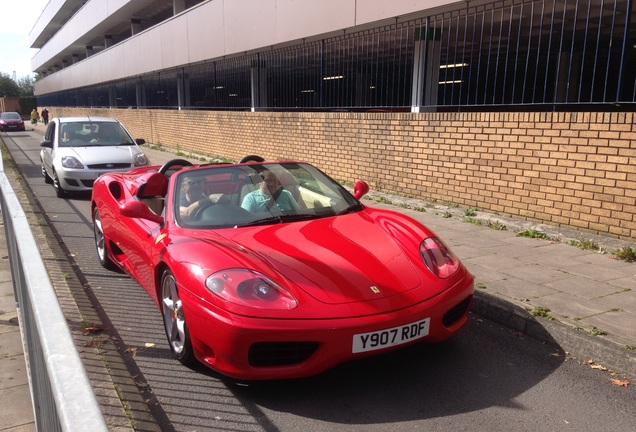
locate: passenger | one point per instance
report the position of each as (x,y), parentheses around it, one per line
(270,195)
(108,133)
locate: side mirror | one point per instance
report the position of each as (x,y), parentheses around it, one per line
(139,210)
(46,143)
(140,141)
(360,189)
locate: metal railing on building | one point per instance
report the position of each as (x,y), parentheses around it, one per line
(532,55)
(63,399)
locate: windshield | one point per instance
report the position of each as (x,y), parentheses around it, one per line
(10,116)
(90,133)
(257,194)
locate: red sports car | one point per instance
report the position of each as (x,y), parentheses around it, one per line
(272,270)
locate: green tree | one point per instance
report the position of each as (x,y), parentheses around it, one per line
(26,86)
(8,87)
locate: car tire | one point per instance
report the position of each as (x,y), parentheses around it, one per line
(59,192)
(47,177)
(101,242)
(174,320)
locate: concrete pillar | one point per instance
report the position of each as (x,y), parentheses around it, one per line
(426,63)
(135,26)
(112,97)
(258,84)
(89,51)
(140,90)
(569,75)
(183,90)
(178,6)
(75,58)
(108,41)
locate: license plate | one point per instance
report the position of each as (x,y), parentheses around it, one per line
(390,337)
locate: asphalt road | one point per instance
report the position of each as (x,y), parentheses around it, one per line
(485,378)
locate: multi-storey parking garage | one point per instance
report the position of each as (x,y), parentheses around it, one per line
(284,55)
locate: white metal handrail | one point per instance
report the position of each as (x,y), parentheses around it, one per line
(62,395)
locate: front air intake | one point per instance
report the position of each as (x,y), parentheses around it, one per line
(457,312)
(263,354)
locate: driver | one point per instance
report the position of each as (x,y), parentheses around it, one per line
(270,195)
(192,196)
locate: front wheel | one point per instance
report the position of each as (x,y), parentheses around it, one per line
(100,242)
(59,192)
(47,177)
(174,320)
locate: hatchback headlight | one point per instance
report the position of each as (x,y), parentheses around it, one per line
(71,162)
(141,160)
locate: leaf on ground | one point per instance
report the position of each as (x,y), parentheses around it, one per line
(149,345)
(142,385)
(92,329)
(620,383)
(132,350)
(599,367)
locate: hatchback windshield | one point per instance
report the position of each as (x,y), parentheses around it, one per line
(257,194)
(10,116)
(75,134)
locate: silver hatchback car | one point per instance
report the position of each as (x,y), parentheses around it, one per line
(77,150)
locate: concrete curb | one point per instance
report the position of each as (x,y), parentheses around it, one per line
(580,345)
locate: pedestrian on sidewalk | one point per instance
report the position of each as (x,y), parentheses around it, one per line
(45,116)
(35,116)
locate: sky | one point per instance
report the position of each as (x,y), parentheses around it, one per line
(18,19)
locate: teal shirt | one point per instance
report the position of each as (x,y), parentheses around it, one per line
(256,201)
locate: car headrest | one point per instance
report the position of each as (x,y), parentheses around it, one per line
(153,185)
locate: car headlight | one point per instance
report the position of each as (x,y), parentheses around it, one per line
(141,160)
(249,288)
(438,258)
(71,162)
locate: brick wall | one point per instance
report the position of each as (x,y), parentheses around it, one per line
(8,104)
(569,169)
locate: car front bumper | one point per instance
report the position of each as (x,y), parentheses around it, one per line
(12,128)
(233,344)
(81,180)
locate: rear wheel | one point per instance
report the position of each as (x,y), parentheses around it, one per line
(174,320)
(100,242)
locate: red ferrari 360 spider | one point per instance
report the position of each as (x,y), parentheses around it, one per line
(272,270)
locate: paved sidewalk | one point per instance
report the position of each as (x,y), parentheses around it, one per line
(588,299)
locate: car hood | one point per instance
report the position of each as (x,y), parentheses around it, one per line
(12,121)
(336,260)
(90,155)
